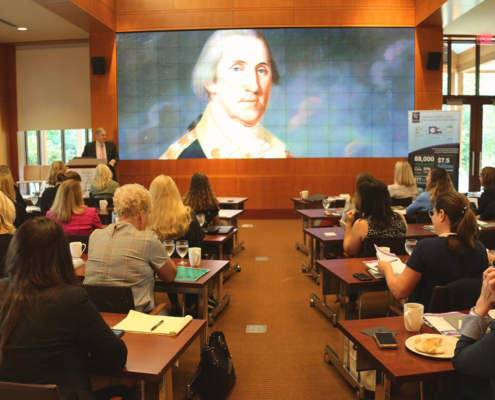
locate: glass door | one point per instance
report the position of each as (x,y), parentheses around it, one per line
(488,136)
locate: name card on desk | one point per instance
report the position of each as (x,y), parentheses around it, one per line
(330,234)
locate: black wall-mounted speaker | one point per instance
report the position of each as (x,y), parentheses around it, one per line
(434,60)
(98,65)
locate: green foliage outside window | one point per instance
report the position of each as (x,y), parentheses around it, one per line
(32,147)
(53,146)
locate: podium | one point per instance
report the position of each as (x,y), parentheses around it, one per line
(86,168)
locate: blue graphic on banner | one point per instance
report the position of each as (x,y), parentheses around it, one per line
(434,140)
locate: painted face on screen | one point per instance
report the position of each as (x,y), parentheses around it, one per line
(102,137)
(243,79)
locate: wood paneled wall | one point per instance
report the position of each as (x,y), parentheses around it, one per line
(146,15)
(425,8)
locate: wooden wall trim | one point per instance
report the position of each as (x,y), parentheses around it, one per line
(425,8)
(13,157)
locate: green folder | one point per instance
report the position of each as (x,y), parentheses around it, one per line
(185,274)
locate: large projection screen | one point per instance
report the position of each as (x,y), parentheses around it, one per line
(267,93)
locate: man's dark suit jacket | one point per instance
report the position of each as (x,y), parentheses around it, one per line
(112,154)
(51,343)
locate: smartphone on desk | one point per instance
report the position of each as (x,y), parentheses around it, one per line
(362,277)
(386,340)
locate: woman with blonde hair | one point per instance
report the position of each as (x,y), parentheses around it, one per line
(71,213)
(437,182)
(202,200)
(5,170)
(51,180)
(48,197)
(404,183)
(7,188)
(171,219)
(7,229)
(103,186)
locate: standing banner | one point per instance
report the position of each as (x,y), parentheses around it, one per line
(434,141)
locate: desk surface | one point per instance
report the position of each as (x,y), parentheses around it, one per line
(400,365)
(228,214)
(342,269)
(318,214)
(413,231)
(218,239)
(150,356)
(232,200)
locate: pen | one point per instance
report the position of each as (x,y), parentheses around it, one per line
(157,325)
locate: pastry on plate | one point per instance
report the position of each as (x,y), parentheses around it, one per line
(429,345)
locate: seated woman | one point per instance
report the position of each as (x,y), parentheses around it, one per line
(5,170)
(486,203)
(352,203)
(7,188)
(70,211)
(48,197)
(474,351)
(50,330)
(374,219)
(202,200)
(454,254)
(7,229)
(171,219)
(103,186)
(51,180)
(437,182)
(128,254)
(404,183)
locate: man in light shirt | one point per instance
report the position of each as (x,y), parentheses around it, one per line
(100,148)
(235,72)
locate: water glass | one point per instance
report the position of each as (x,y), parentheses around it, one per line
(169,247)
(182,246)
(326,203)
(410,244)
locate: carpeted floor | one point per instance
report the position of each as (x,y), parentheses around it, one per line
(286,362)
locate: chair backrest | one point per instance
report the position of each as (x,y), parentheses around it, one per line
(401,202)
(396,245)
(439,302)
(33,173)
(338,203)
(423,218)
(464,293)
(45,170)
(80,238)
(487,237)
(112,299)
(22,391)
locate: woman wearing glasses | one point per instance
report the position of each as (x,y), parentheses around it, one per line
(454,254)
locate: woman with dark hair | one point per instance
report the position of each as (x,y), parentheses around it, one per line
(49,329)
(48,196)
(437,182)
(202,200)
(486,203)
(454,254)
(373,219)
(353,202)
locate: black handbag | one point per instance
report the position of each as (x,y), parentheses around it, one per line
(216,370)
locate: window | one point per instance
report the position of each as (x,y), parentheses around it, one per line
(45,147)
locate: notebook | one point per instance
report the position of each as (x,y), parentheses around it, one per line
(143,323)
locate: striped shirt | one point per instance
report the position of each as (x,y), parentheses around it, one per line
(121,255)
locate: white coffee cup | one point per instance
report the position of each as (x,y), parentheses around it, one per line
(194,256)
(413,316)
(304,194)
(103,205)
(77,248)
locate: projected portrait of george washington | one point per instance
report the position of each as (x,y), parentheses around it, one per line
(235,72)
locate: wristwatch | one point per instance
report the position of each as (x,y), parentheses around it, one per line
(472,312)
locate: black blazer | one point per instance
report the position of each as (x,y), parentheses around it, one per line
(47,198)
(51,343)
(112,154)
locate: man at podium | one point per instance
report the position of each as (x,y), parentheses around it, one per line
(100,148)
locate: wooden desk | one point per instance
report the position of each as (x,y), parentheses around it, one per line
(150,357)
(218,241)
(399,366)
(337,279)
(236,203)
(309,217)
(105,215)
(414,231)
(231,217)
(300,204)
(199,288)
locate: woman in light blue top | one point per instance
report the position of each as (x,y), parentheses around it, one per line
(437,182)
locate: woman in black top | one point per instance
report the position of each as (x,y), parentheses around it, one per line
(171,219)
(48,197)
(7,229)
(202,200)
(486,203)
(49,329)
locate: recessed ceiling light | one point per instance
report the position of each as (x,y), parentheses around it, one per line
(22,29)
